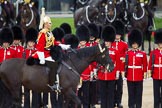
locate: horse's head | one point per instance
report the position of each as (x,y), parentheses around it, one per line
(3,16)
(108,9)
(103,57)
(132,5)
(27,16)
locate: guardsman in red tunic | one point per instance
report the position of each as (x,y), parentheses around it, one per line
(155,69)
(6,38)
(107,79)
(31,36)
(18,37)
(94,34)
(136,68)
(122,47)
(83,34)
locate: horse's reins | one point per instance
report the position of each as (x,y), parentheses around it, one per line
(70,68)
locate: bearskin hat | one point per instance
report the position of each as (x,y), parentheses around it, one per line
(31,35)
(17,33)
(94,30)
(6,35)
(66,27)
(158,36)
(135,36)
(108,33)
(71,40)
(120,27)
(83,33)
(58,33)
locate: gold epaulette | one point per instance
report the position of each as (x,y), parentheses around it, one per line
(42,31)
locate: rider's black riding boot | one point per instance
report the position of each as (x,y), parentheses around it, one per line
(52,73)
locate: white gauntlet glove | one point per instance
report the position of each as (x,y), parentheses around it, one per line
(41,57)
(64,47)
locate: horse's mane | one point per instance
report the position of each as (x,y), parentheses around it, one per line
(88,51)
(81,53)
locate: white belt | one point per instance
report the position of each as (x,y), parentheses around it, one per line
(121,58)
(135,67)
(157,65)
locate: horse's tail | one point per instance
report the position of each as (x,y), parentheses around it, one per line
(5,96)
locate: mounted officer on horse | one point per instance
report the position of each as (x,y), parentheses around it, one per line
(44,42)
(9,13)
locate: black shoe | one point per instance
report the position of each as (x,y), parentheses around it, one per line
(119,105)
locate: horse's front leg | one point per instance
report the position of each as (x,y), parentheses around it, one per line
(71,95)
(16,94)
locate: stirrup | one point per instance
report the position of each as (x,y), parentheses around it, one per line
(55,87)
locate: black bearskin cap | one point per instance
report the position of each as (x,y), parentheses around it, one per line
(72,40)
(120,27)
(17,33)
(58,33)
(31,35)
(108,33)
(94,30)
(158,36)
(6,35)
(83,33)
(135,36)
(66,27)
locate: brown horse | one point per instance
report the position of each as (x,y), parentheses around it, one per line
(28,17)
(14,72)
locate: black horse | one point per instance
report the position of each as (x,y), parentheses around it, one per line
(98,11)
(14,72)
(138,18)
(7,14)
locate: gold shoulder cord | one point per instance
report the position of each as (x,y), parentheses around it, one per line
(49,37)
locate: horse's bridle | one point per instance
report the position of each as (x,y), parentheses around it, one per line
(32,16)
(138,18)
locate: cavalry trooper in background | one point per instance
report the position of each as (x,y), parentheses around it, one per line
(6,39)
(9,10)
(106,78)
(83,34)
(66,27)
(17,41)
(57,103)
(155,69)
(122,47)
(136,68)
(145,4)
(31,36)
(94,33)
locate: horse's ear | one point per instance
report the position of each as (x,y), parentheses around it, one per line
(56,53)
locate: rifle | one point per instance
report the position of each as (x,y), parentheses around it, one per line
(152,66)
(126,65)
